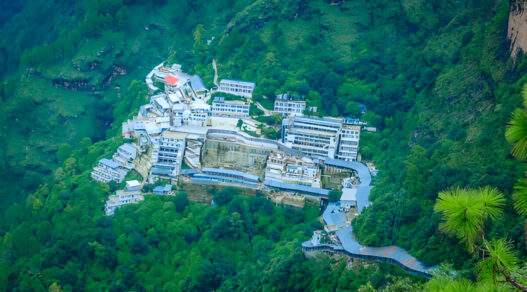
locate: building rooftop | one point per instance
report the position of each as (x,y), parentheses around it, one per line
(197,83)
(128,148)
(237,81)
(171,80)
(231,172)
(174,135)
(313,119)
(296,187)
(110,163)
(132,184)
(349,194)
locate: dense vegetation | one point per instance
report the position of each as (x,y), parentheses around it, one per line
(435,76)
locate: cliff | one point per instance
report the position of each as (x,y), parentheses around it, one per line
(517,29)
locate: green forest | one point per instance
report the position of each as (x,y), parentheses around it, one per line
(436,78)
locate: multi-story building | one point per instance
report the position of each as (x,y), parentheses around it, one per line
(322,137)
(237,87)
(168,153)
(108,170)
(121,197)
(229,109)
(348,142)
(288,169)
(287,105)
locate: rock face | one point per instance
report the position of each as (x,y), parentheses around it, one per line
(517,32)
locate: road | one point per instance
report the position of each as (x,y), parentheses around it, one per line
(215,81)
(332,216)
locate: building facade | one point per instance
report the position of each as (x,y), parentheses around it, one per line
(108,170)
(168,153)
(322,137)
(121,198)
(288,169)
(237,87)
(287,105)
(230,109)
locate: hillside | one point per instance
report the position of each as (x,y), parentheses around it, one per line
(436,77)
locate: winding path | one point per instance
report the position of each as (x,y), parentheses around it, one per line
(350,245)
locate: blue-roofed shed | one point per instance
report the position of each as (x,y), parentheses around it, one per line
(296,188)
(158,190)
(197,83)
(230,173)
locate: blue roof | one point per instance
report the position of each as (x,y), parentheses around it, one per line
(161,171)
(238,80)
(110,163)
(128,148)
(189,171)
(168,187)
(231,172)
(197,83)
(295,187)
(158,189)
(336,121)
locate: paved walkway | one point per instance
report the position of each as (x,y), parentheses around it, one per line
(266,111)
(215,81)
(332,216)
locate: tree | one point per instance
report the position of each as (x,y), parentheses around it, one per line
(224,196)
(464,214)
(181,201)
(64,152)
(334,195)
(516,131)
(352,109)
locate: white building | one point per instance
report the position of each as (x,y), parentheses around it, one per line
(168,154)
(237,87)
(229,109)
(349,197)
(348,142)
(108,170)
(120,198)
(322,137)
(132,186)
(127,151)
(288,169)
(287,105)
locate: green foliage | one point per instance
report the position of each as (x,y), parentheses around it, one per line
(334,195)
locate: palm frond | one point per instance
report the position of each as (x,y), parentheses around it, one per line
(462,214)
(492,200)
(516,133)
(520,197)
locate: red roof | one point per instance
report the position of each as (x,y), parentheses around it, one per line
(171,80)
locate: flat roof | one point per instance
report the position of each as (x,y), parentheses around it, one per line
(171,80)
(174,135)
(295,187)
(237,81)
(313,119)
(110,163)
(231,172)
(349,194)
(132,183)
(128,147)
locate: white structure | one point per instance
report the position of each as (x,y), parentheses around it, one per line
(288,169)
(132,186)
(108,170)
(121,198)
(348,142)
(127,151)
(237,87)
(287,105)
(199,88)
(322,137)
(168,153)
(349,197)
(229,109)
